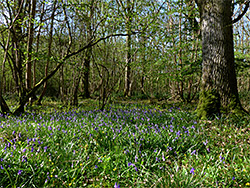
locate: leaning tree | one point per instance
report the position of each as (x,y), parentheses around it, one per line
(219,92)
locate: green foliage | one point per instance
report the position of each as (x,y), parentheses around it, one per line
(242,62)
(130,145)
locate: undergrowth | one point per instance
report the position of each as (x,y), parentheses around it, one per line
(126,145)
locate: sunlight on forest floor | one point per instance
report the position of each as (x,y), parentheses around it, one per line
(134,145)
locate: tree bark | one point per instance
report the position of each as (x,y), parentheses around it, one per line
(29,45)
(49,52)
(219,92)
(127,86)
(86,72)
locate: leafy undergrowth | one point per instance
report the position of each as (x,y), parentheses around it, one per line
(124,146)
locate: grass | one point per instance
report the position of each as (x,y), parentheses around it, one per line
(127,145)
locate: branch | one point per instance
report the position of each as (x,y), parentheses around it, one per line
(93,43)
(19,12)
(61,62)
(243,13)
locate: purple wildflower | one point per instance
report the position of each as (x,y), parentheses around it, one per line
(205,143)
(192,170)
(19,172)
(136,168)
(136,158)
(116,185)
(24,159)
(193,152)
(163,158)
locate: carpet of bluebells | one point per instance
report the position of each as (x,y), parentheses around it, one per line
(123,146)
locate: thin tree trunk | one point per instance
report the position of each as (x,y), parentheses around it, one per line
(127,86)
(38,44)
(49,51)
(62,88)
(88,53)
(29,46)
(3,104)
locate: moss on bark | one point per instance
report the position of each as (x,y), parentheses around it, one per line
(209,104)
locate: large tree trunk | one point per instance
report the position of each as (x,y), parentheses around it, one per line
(219,85)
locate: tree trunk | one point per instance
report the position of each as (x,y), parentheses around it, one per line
(62,84)
(29,46)
(49,52)
(219,92)
(127,86)
(86,73)
(3,104)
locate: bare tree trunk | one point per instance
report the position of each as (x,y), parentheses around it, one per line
(29,45)
(49,51)
(3,104)
(18,50)
(127,86)
(86,72)
(76,84)
(88,52)
(62,88)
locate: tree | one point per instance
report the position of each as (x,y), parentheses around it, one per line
(32,7)
(219,84)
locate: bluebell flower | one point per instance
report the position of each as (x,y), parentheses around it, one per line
(157,159)
(116,185)
(192,170)
(193,152)
(19,172)
(163,158)
(136,158)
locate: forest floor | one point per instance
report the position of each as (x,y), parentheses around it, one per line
(130,144)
